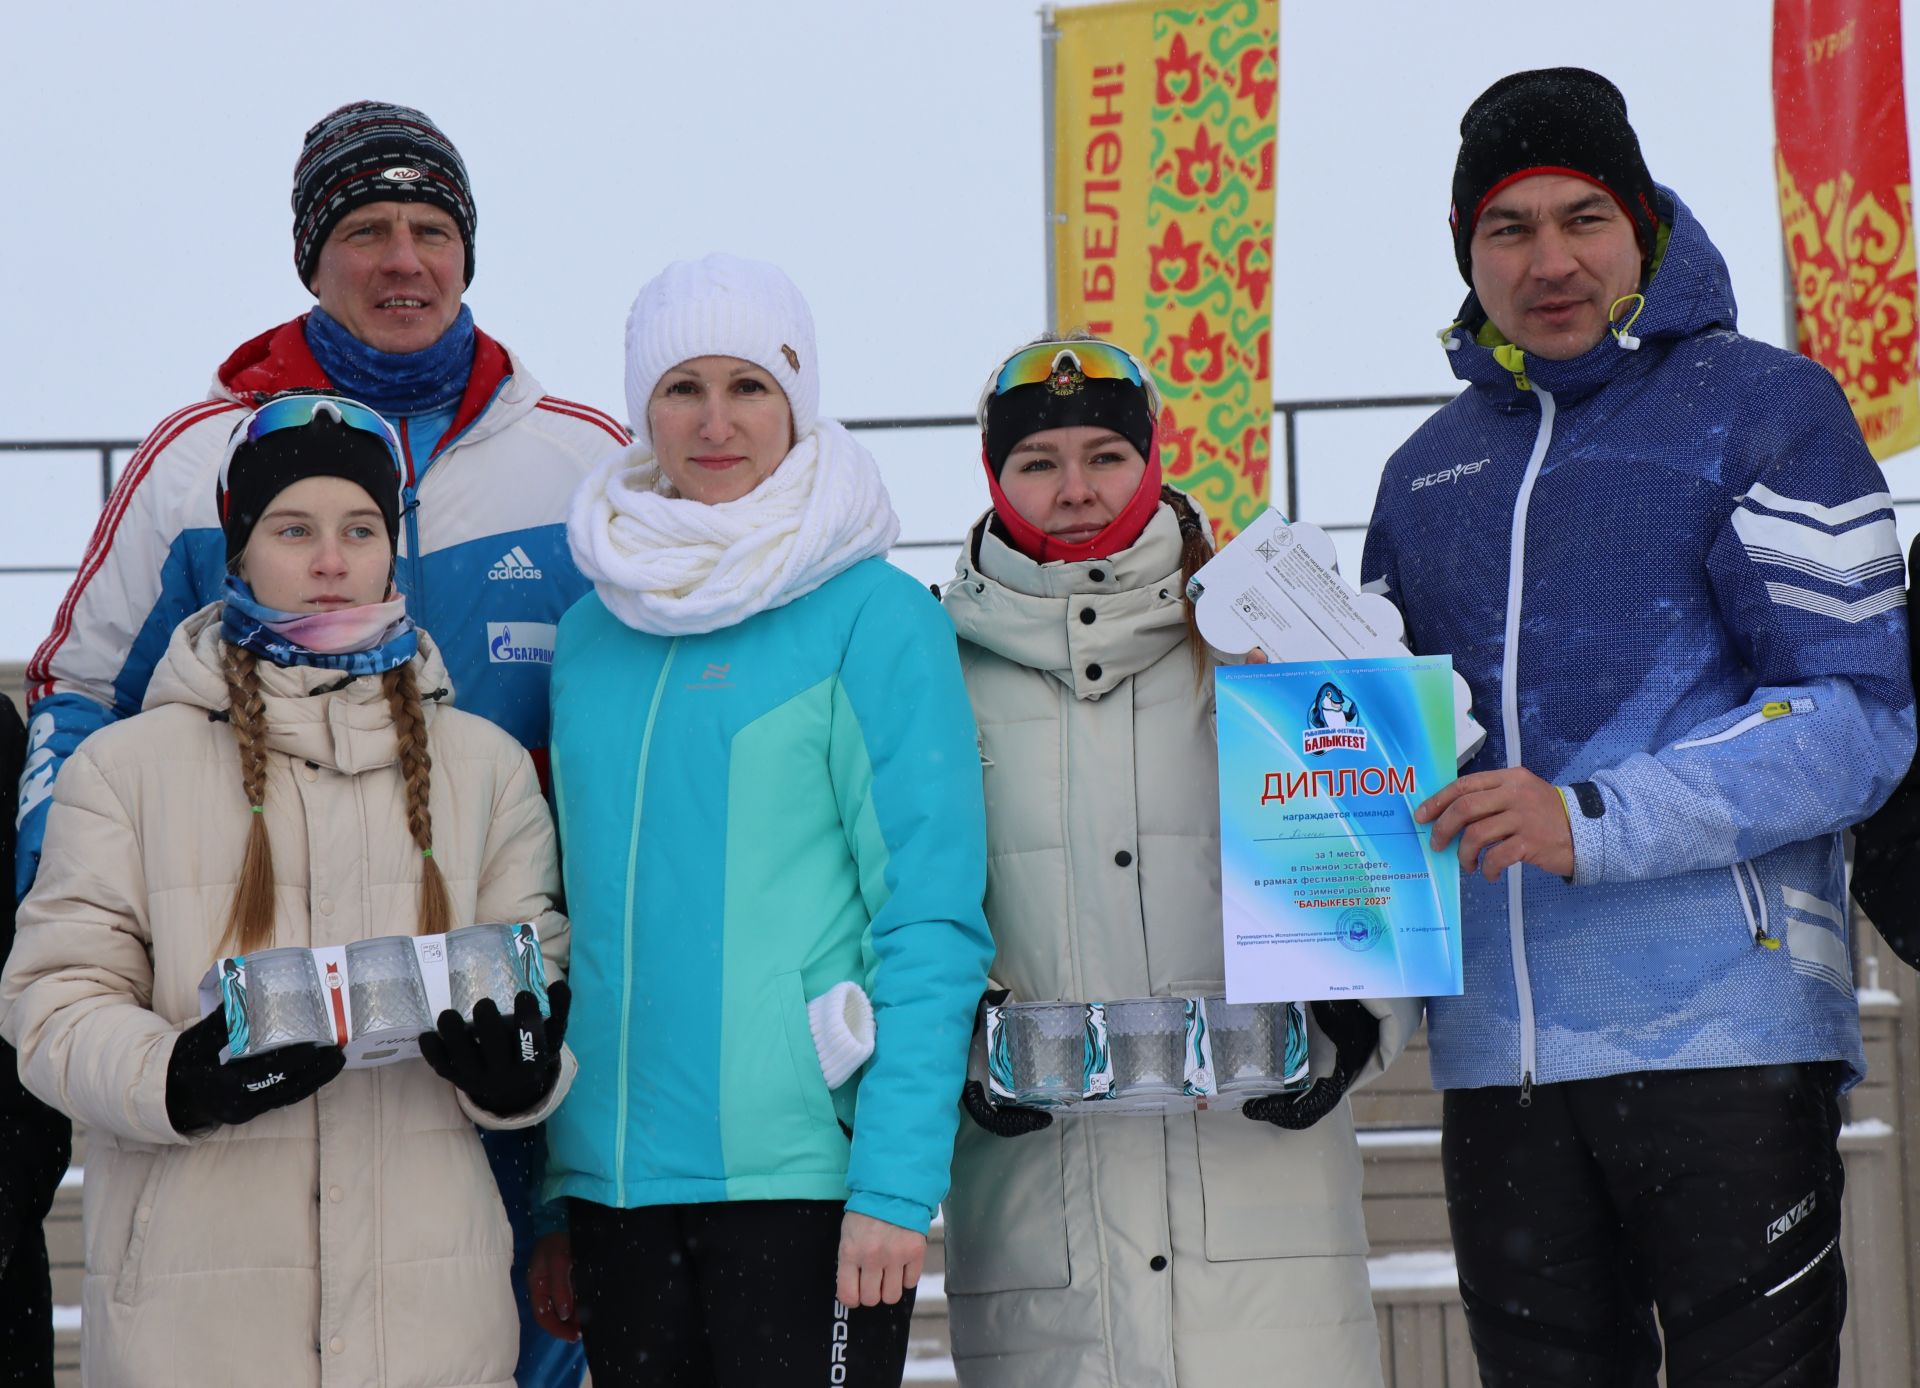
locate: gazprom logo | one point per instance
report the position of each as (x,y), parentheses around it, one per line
(520,643)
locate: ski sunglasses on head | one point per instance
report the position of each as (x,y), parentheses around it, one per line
(298,411)
(1065,366)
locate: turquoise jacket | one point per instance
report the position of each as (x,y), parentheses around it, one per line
(749,817)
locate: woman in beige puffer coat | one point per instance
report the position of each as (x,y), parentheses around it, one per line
(353,1237)
(1121,1251)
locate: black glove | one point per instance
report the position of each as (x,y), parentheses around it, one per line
(1886,870)
(1355,1033)
(506,1065)
(202,1093)
(976,1097)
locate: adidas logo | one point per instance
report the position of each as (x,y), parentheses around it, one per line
(515,563)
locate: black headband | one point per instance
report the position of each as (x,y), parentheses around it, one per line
(264,468)
(1117,405)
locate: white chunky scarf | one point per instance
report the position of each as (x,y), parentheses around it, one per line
(674,567)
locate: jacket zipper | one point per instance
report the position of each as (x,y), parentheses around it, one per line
(626,946)
(1757,925)
(409,507)
(1510,724)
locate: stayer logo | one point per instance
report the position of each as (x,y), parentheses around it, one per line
(1785,1223)
(402,173)
(1447,475)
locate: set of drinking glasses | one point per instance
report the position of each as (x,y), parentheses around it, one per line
(1153,1054)
(394,987)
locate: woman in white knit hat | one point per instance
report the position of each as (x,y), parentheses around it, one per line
(769,800)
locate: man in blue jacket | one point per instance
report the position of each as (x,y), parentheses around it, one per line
(383,237)
(1662,555)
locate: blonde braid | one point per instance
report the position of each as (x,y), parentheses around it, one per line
(250,920)
(416,767)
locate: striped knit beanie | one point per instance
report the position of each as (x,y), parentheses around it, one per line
(722,306)
(373,151)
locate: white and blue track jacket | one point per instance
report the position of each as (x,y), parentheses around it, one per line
(1669,572)
(483,555)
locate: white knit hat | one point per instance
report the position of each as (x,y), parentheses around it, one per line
(722,306)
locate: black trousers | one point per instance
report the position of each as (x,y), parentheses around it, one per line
(36,1144)
(1713,1195)
(26,1314)
(736,1294)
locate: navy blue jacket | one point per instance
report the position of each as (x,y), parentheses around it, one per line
(1668,570)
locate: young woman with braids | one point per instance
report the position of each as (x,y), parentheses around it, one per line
(1195,1249)
(297,778)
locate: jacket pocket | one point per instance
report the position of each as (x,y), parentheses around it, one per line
(141,1219)
(1271,1193)
(1006,1214)
(792,993)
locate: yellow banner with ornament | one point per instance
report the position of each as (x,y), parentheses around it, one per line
(1164,121)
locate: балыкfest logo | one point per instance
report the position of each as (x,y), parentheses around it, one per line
(1333,723)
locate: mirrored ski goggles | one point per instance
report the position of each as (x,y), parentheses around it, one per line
(298,411)
(1065,366)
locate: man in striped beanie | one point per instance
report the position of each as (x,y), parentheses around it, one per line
(369,151)
(383,237)
(383,227)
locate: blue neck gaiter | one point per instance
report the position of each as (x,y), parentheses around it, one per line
(276,636)
(394,383)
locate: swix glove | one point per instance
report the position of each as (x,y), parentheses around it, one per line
(202,1093)
(506,1065)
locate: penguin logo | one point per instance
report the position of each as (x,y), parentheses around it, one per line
(1333,709)
(1333,723)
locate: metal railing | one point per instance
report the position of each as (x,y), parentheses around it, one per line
(1289,412)
(104,448)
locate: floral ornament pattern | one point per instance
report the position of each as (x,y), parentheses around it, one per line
(1209,239)
(1846,206)
(1853,292)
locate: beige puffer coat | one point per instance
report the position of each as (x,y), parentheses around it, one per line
(355,1238)
(1197,1250)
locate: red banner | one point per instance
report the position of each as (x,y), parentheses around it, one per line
(1840,123)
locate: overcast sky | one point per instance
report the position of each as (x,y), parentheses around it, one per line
(886,154)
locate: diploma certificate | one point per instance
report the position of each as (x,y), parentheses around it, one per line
(1328,888)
